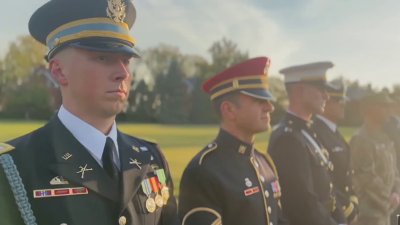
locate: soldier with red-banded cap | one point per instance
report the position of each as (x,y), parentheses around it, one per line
(229,181)
(79,168)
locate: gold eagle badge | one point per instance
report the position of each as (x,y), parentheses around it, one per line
(116,10)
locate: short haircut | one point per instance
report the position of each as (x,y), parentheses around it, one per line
(230,97)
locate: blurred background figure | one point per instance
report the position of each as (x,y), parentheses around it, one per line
(392,129)
(326,126)
(376,180)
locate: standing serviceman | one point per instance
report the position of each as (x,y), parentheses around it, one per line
(303,164)
(376,178)
(79,168)
(229,182)
(325,125)
(392,129)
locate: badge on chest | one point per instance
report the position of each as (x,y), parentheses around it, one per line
(156,190)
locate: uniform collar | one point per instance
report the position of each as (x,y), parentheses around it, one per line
(329,123)
(93,140)
(228,142)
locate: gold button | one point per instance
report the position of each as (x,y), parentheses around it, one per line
(266,193)
(331,185)
(269,210)
(347,189)
(322,163)
(122,220)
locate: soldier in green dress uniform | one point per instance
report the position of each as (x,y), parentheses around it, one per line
(79,168)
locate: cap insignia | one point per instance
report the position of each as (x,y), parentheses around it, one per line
(116,10)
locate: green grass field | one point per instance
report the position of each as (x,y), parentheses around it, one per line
(179,143)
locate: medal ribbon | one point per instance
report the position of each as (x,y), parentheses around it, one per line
(161,176)
(146,187)
(154,184)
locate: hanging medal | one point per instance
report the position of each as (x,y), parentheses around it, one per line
(164,189)
(155,187)
(150,203)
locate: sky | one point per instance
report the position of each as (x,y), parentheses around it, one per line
(361,37)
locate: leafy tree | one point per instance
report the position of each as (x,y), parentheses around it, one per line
(172,95)
(141,103)
(22,57)
(32,100)
(225,53)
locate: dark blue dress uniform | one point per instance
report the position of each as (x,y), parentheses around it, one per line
(50,161)
(304,170)
(339,153)
(229,182)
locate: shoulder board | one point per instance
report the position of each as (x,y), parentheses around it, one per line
(5,148)
(210,147)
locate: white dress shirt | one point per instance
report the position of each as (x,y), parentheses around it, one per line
(91,138)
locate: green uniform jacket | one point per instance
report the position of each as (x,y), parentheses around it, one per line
(392,129)
(49,160)
(376,174)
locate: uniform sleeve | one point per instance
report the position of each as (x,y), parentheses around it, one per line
(365,177)
(299,199)
(198,200)
(9,213)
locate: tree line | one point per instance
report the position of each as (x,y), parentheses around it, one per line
(166,87)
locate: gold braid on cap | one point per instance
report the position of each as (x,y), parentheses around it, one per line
(239,83)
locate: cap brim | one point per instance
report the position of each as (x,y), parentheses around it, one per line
(259,93)
(114,47)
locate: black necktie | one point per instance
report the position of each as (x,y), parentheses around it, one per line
(108,159)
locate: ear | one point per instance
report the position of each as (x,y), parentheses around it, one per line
(228,110)
(57,72)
